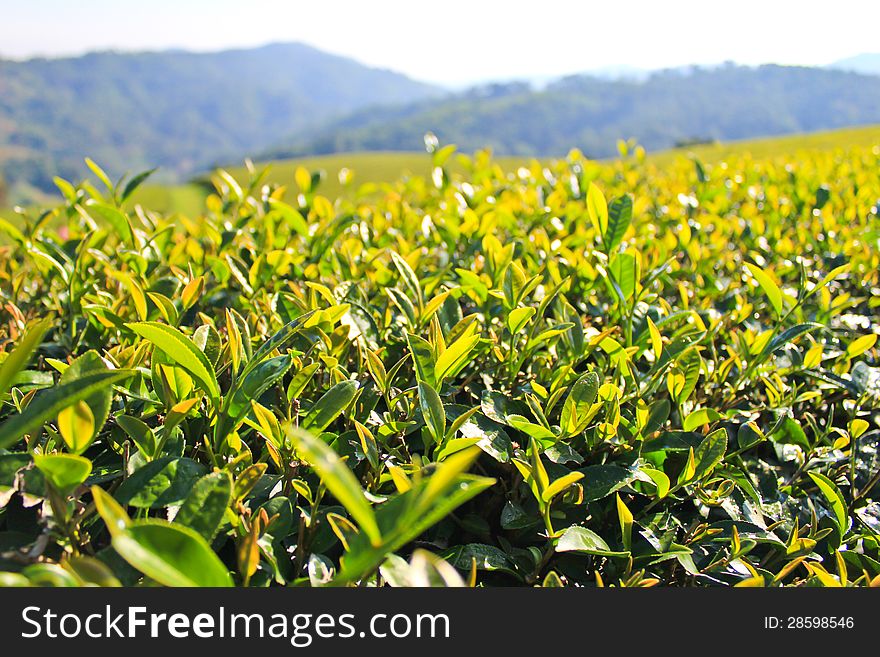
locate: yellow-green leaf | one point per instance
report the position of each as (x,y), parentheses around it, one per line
(338,479)
(771,289)
(560,485)
(77,426)
(835,499)
(860,345)
(597,208)
(182,351)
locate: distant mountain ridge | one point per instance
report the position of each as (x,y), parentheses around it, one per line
(185,112)
(175,109)
(867,63)
(668,107)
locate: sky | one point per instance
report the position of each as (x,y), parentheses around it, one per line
(458,42)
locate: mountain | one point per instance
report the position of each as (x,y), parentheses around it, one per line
(178,110)
(667,108)
(867,63)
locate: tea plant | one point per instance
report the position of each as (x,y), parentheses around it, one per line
(574,375)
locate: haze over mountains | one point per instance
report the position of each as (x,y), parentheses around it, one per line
(665,109)
(867,63)
(184,111)
(174,109)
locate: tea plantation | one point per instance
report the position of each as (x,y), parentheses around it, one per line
(576,374)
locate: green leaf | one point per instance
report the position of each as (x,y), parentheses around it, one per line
(204,507)
(76,424)
(492,438)
(140,433)
(597,209)
(790,432)
(116,218)
(774,294)
(92,571)
(658,413)
(330,405)
(99,403)
(423,359)
(19,357)
(49,575)
(98,171)
(518,318)
(408,515)
(432,410)
(257,381)
(338,479)
(290,215)
(602,480)
(173,555)
(860,345)
(456,355)
(835,500)
(577,405)
(277,341)
(625,517)
(48,403)
(134,183)
(403,303)
(301,380)
(619,219)
(585,541)
(486,557)
(790,335)
(409,277)
(660,479)
(561,484)
(822,196)
(16,474)
(624,269)
(539,432)
(699,417)
(64,471)
(709,453)
(689,365)
(111,512)
(160,483)
(368,445)
(182,351)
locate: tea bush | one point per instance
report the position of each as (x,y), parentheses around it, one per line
(572,375)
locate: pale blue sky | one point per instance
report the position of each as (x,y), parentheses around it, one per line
(460,41)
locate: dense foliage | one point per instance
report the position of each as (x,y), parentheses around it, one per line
(579,374)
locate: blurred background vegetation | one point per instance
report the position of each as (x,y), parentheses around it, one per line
(187,113)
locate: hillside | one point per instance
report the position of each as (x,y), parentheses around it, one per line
(725,103)
(176,110)
(377,168)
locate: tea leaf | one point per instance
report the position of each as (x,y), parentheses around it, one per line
(76,424)
(204,507)
(49,403)
(331,404)
(771,289)
(182,351)
(339,480)
(432,410)
(63,471)
(173,555)
(835,500)
(18,359)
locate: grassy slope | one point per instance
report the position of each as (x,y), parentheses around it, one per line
(862,137)
(379,167)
